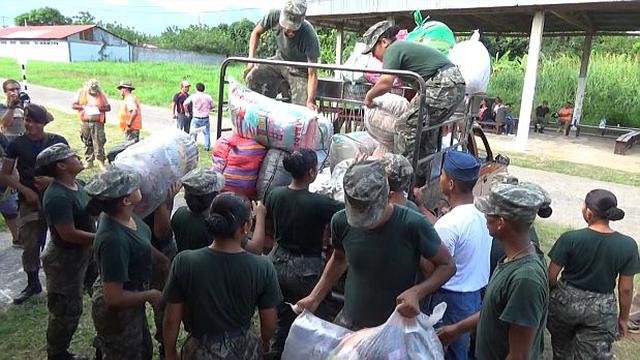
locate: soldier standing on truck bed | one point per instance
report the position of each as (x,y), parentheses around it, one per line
(297,41)
(444,90)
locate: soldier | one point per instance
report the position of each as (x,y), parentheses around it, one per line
(296,41)
(215,291)
(384,244)
(68,253)
(92,106)
(299,218)
(583,315)
(32,226)
(444,91)
(514,310)
(130,113)
(201,186)
(122,250)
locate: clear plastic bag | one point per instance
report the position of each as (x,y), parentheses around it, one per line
(398,338)
(312,338)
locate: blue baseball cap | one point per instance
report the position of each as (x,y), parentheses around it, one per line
(461,166)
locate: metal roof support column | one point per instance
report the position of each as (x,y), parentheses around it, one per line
(530,77)
(582,80)
(339,45)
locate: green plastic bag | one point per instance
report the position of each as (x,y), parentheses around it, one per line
(433,33)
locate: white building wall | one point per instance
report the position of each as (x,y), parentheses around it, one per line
(46,50)
(90,51)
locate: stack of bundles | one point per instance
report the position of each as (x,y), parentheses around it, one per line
(347,146)
(239,160)
(380,121)
(275,124)
(160,160)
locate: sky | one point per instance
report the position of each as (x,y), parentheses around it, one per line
(149,16)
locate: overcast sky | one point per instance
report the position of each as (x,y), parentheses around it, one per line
(150,16)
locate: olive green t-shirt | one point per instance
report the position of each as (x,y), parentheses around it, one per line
(190,230)
(497,250)
(123,255)
(593,261)
(65,206)
(383,262)
(411,205)
(303,47)
(419,58)
(517,294)
(299,218)
(220,291)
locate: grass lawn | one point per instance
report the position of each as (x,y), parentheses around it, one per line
(569,168)
(155,83)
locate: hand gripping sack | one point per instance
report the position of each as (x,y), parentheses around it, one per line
(275,124)
(398,338)
(347,146)
(311,338)
(432,33)
(239,161)
(380,120)
(272,173)
(161,160)
(474,62)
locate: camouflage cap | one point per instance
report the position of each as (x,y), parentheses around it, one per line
(399,171)
(504,178)
(372,35)
(513,202)
(126,84)
(366,193)
(292,14)
(54,153)
(113,183)
(203,181)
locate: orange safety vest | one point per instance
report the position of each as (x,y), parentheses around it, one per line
(125,114)
(565,114)
(83,99)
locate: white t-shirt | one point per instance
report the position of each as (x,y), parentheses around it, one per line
(464,232)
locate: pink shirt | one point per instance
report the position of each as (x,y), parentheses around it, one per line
(202,104)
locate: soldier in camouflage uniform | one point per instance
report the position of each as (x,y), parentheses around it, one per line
(583,313)
(518,294)
(444,90)
(122,249)
(69,251)
(296,40)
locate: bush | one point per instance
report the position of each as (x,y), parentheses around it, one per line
(613,85)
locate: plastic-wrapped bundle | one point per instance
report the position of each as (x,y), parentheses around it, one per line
(322,184)
(312,338)
(474,62)
(337,178)
(380,120)
(397,338)
(275,124)
(347,146)
(239,161)
(272,173)
(161,160)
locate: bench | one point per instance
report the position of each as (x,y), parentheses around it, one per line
(626,141)
(497,128)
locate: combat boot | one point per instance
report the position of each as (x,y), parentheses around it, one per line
(67,356)
(33,288)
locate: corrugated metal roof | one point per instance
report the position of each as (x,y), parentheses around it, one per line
(42,32)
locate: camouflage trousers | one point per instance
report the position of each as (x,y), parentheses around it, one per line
(583,324)
(32,234)
(245,346)
(158,281)
(93,137)
(271,80)
(65,269)
(443,92)
(297,276)
(121,333)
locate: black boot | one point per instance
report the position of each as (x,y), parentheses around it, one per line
(33,288)
(67,356)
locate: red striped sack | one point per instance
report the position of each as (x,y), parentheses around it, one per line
(239,160)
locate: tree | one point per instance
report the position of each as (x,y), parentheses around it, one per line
(42,16)
(84,18)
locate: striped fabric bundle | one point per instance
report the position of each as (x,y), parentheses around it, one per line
(239,160)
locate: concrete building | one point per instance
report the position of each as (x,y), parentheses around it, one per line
(63,43)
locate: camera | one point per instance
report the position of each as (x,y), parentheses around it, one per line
(24,99)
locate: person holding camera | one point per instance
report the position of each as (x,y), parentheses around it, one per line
(12,118)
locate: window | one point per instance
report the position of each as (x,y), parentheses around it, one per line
(24,42)
(87,35)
